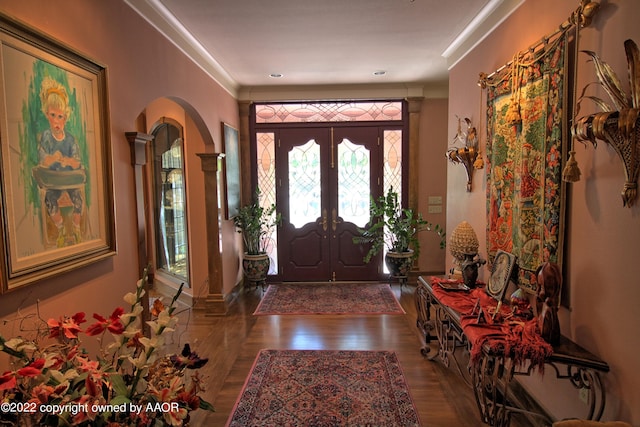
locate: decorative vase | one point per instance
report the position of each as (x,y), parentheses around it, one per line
(399,264)
(256,268)
(470,269)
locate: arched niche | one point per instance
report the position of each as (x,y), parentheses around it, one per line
(201,198)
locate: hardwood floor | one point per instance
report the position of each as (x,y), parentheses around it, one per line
(232,342)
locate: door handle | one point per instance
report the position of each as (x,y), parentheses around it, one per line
(334,219)
(324,222)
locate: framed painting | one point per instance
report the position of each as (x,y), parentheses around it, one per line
(526,146)
(56,187)
(231,170)
(502,271)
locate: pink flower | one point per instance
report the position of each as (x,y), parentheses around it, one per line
(7,381)
(33,369)
(176,418)
(42,392)
(87,365)
(69,327)
(190,399)
(113,323)
(93,388)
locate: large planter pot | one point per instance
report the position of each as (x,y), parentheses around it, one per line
(256,268)
(399,264)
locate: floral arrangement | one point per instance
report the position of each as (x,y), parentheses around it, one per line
(55,382)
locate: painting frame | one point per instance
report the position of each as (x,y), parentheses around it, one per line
(231,170)
(502,272)
(56,190)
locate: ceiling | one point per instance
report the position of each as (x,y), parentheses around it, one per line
(244,43)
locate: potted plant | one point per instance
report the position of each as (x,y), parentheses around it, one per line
(396,229)
(256,223)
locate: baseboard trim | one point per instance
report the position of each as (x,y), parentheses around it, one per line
(203,304)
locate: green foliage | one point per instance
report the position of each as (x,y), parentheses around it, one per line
(394,227)
(256,224)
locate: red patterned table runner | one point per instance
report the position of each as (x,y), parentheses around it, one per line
(508,334)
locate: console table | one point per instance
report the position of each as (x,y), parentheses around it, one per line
(490,375)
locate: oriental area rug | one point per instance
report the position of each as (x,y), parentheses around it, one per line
(325,388)
(323,298)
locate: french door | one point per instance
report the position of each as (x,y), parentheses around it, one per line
(326,177)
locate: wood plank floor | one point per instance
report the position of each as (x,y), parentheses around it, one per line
(232,342)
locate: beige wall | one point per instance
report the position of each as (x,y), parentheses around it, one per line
(603,238)
(143,68)
(432,179)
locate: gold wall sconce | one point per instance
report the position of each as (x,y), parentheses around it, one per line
(468,155)
(618,125)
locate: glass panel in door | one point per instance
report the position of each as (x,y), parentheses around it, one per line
(304,183)
(326,179)
(354,180)
(301,171)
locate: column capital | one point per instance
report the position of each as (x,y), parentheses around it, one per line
(414,104)
(209,161)
(138,142)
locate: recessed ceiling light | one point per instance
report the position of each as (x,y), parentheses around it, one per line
(275,75)
(379,73)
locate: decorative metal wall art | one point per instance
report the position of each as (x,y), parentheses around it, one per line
(468,154)
(619,123)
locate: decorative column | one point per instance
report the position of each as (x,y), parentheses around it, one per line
(246,192)
(215,304)
(414,106)
(138,142)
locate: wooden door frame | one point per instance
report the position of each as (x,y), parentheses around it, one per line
(411,141)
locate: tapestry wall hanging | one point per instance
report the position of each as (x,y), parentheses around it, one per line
(526,144)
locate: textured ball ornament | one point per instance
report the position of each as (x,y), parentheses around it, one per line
(463,241)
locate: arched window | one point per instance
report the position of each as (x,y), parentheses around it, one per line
(169,199)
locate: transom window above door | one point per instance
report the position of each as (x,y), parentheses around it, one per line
(320,112)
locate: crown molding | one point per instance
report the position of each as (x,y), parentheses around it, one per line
(489,18)
(156,14)
(326,92)
(159,17)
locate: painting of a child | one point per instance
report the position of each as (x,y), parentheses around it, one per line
(59,151)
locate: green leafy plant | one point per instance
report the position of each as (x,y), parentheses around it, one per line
(256,224)
(394,227)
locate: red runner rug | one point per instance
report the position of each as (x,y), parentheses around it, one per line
(343,298)
(325,388)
